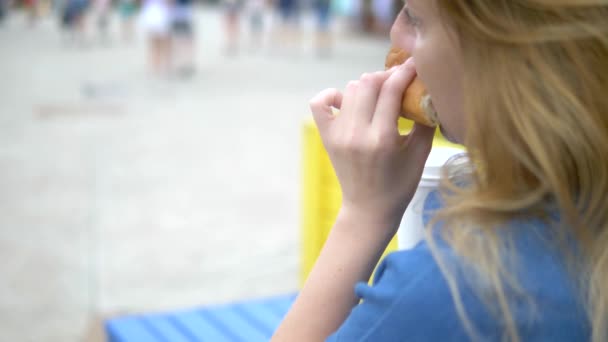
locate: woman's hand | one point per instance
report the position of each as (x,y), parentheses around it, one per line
(378,169)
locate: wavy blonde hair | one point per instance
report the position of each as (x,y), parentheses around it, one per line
(536,85)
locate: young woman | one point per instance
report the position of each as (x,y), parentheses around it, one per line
(232,25)
(518,245)
(156,21)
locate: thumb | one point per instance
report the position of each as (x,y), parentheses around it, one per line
(321,106)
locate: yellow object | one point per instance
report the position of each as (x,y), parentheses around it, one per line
(321,195)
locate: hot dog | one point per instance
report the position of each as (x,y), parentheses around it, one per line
(416,104)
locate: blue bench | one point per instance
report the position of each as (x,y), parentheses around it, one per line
(251,321)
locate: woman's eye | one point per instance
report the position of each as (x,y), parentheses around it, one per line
(410,19)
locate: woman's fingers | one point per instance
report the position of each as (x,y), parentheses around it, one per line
(321,106)
(362,100)
(388,108)
(377,173)
(350,97)
(367,95)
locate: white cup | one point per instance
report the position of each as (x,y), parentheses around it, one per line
(411,229)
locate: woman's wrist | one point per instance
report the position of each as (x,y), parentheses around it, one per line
(349,256)
(369,223)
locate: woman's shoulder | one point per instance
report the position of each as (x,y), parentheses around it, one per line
(412,299)
(409,299)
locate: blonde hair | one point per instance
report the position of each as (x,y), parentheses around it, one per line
(536,100)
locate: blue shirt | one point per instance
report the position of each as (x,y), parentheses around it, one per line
(410,299)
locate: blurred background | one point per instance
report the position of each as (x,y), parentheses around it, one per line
(150,150)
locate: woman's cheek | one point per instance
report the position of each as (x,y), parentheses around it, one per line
(409,44)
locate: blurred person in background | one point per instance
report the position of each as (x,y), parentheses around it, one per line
(288,34)
(232,27)
(73,19)
(31,6)
(256,10)
(384,15)
(57,7)
(156,22)
(102,11)
(3,10)
(127,10)
(183,38)
(323,38)
(365,9)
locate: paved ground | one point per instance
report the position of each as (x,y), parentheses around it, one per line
(124,193)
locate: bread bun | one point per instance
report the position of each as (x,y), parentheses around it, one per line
(416,104)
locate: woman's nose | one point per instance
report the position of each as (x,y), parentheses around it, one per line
(398,30)
(400,34)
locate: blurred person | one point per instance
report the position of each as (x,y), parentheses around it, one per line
(256,10)
(127,10)
(102,11)
(516,240)
(232,27)
(183,37)
(156,22)
(288,34)
(289,11)
(368,19)
(73,21)
(31,7)
(44,7)
(323,38)
(57,7)
(3,10)
(384,15)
